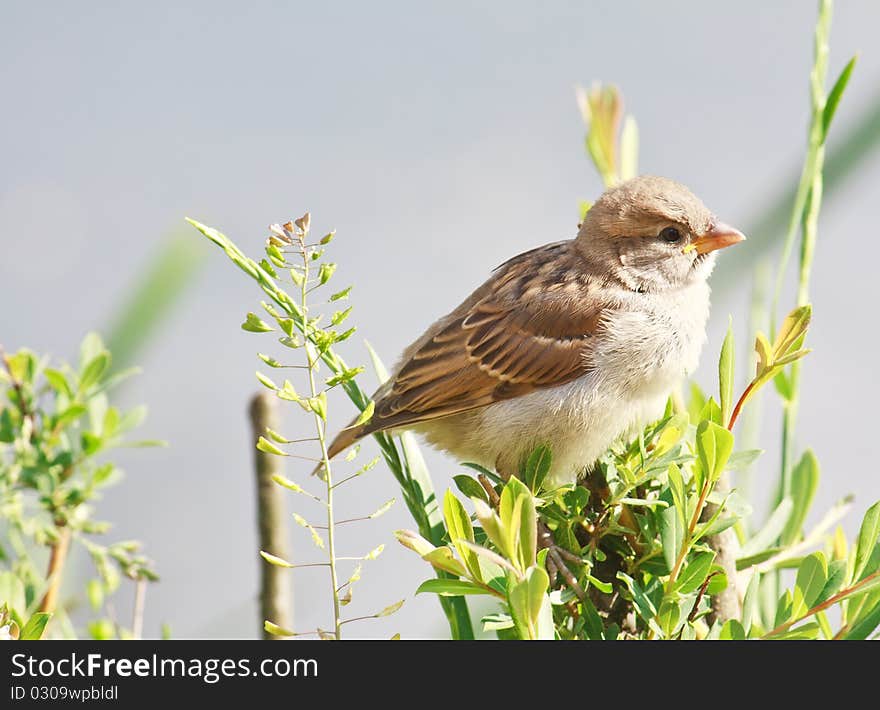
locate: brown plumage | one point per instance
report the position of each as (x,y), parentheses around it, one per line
(512,335)
(598,312)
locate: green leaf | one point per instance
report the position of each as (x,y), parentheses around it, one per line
(254,324)
(526,599)
(804,632)
(94,369)
(496,622)
(458,523)
(528,532)
(268,447)
(629,149)
(793,328)
(389,610)
(695,572)
(835,95)
(274,560)
(266,382)
(836,578)
(671,534)
(537,467)
(70,414)
(865,625)
(33,629)
(726,373)
(58,382)
(679,498)
(710,412)
(492,526)
(12,592)
(869,533)
(732,631)
(751,610)
(450,587)
(270,361)
(804,481)
(366,414)
(714,446)
(442,558)
(492,557)
(414,542)
(668,616)
(374,553)
(470,487)
(783,385)
(302,522)
(768,534)
(276,630)
(811,578)
(325,272)
(340,295)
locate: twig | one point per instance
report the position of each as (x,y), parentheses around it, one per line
(725,604)
(739,405)
(831,601)
(484,481)
(545,540)
(55,573)
(320,433)
(137,620)
(275,591)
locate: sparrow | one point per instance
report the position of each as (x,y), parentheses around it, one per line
(570,345)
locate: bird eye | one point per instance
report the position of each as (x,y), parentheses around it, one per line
(670,235)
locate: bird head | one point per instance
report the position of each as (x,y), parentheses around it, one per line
(653,234)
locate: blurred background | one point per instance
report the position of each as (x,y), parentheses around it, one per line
(438,139)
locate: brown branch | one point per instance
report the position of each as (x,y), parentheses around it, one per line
(739,405)
(725,604)
(55,572)
(275,591)
(494,500)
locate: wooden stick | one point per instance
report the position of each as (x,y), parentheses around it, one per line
(275,588)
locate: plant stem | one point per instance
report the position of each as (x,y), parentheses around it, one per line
(831,601)
(805,213)
(320,431)
(137,617)
(701,502)
(739,405)
(416,485)
(275,593)
(55,572)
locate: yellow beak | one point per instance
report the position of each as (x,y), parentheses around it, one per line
(719,236)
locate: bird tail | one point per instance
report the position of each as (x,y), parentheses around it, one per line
(343,440)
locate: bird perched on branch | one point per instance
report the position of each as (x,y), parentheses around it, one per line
(572,344)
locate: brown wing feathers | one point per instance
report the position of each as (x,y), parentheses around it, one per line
(508,339)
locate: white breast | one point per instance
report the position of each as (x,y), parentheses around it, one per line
(648,346)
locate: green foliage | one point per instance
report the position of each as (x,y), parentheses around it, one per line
(290,255)
(633,552)
(634,546)
(506,566)
(57,425)
(634,549)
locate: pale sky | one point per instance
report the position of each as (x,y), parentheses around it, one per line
(438,139)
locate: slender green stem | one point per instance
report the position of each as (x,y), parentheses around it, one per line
(831,601)
(320,431)
(805,213)
(418,491)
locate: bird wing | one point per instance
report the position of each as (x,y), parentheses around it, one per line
(530,326)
